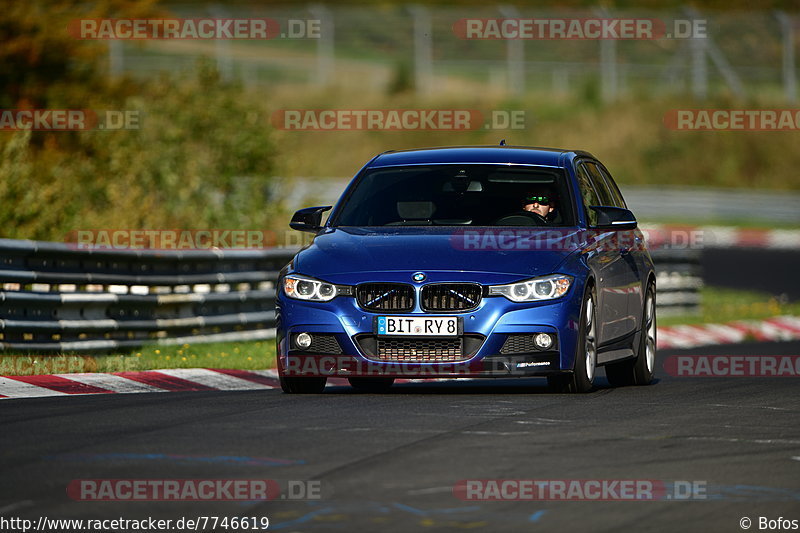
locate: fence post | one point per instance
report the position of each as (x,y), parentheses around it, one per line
(222,47)
(608,64)
(115,58)
(515,56)
(423,50)
(560,80)
(789,79)
(325,51)
(705,45)
(697,47)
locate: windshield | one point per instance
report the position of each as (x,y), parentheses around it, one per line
(458,195)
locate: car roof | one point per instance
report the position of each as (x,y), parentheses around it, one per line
(511,155)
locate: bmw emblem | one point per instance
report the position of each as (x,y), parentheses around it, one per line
(419,277)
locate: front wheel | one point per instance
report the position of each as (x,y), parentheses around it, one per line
(582,377)
(371,384)
(295,385)
(641,369)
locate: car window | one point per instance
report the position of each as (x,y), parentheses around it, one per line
(588,194)
(612,187)
(452,194)
(600,185)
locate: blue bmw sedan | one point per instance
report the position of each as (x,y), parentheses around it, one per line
(490,261)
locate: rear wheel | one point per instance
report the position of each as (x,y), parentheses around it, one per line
(371,384)
(640,370)
(582,377)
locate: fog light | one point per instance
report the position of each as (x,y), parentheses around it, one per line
(543,341)
(302,340)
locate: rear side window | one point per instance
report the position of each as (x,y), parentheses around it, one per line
(612,187)
(600,185)
(588,194)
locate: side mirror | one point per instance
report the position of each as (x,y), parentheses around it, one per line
(308,219)
(614,218)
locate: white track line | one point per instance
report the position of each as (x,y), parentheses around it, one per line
(17,505)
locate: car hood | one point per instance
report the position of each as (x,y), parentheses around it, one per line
(500,254)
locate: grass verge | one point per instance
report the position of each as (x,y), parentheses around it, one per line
(726,305)
(241,355)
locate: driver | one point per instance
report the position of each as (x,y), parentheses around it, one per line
(540,202)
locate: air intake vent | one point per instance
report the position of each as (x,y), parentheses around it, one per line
(385,296)
(420,350)
(522,343)
(448,297)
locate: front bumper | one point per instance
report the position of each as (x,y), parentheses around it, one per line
(347,331)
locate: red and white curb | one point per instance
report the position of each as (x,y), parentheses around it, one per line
(698,237)
(779,328)
(165,380)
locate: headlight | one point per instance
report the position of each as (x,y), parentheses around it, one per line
(532,290)
(302,288)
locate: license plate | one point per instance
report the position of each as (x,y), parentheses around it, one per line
(440,326)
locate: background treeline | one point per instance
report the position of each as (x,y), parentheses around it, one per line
(201,157)
(205,154)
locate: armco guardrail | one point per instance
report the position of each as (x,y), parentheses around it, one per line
(56,298)
(678,280)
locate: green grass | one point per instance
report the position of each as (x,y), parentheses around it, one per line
(726,305)
(241,355)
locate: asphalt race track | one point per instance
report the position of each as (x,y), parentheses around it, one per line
(389,462)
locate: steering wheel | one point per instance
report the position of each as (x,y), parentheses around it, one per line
(522,218)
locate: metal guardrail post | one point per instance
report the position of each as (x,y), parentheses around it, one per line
(678,281)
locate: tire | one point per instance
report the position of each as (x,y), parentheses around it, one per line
(295,385)
(298,385)
(641,369)
(371,384)
(581,379)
